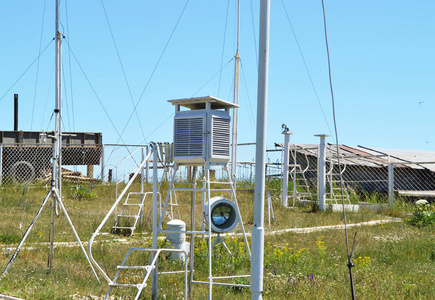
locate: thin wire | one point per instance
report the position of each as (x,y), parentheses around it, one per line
(51,118)
(223,46)
(70,69)
(157,128)
(349,258)
(253,30)
(95,93)
(155,67)
(25,71)
(122,68)
(252,119)
(306,68)
(48,93)
(211,78)
(65,97)
(37,68)
(98,98)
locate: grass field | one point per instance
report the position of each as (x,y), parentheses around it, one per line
(392,260)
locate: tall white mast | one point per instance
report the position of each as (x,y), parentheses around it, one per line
(236,101)
(58,99)
(57,146)
(257,256)
(55,190)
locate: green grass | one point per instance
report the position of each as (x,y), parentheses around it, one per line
(392,261)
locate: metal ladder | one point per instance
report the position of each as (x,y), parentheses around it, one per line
(125,215)
(148,269)
(301,189)
(333,179)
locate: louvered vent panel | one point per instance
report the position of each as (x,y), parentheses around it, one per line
(221,137)
(188,137)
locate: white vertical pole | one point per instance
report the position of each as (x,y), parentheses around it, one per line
(286,134)
(102,164)
(57,146)
(257,256)
(147,166)
(210,247)
(294,175)
(155,229)
(236,101)
(322,172)
(141,185)
(390,183)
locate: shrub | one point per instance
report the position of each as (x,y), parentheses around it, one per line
(423,215)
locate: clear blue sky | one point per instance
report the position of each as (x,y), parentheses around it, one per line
(382,55)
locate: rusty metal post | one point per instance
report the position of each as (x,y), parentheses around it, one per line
(15,112)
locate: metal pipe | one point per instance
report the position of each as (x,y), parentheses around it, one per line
(294,176)
(286,134)
(142,196)
(257,257)
(390,183)
(147,167)
(155,229)
(210,247)
(236,101)
(322,172)
(15,112)
(192,228)
(102,164)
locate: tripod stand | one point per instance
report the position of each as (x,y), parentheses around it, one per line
(55,191)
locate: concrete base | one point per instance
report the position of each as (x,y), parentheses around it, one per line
(374,206)
(339,207)
(306,202)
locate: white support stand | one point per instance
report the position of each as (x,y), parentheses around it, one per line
(206,189)
(390,184)
(257,258)
(321,171)
(155,232)
(103,167)
(55,192)
(285,173)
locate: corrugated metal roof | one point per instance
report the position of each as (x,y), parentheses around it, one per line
(371,157)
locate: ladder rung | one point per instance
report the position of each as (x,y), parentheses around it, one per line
(132,204)
(133,267)
(120,227)
(124,285)
(129,216)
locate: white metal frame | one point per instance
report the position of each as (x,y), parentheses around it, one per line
(206,191)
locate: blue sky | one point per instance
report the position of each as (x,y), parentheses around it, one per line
(381,56)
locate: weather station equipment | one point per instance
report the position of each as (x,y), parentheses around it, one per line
(202,134)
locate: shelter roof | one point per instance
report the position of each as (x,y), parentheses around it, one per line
(200,102)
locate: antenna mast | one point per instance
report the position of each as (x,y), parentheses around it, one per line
(57,146)
(236,101)
(55,191)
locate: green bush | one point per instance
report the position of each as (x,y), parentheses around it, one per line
(423,215)
(83,192)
